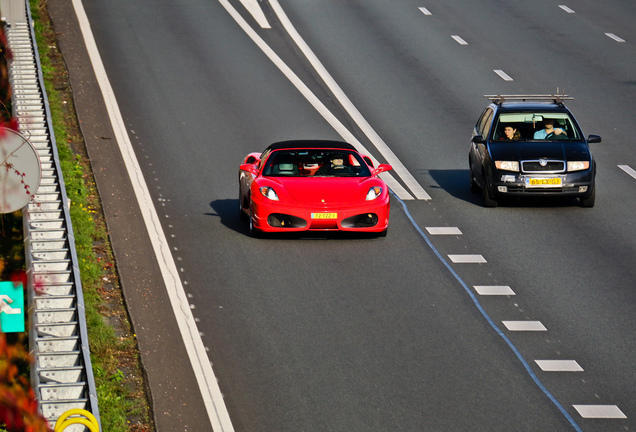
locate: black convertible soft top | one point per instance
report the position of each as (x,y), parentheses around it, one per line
(314,144)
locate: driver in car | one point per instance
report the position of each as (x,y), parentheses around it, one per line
(336,166)
(548,130)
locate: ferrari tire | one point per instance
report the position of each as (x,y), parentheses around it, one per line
(254,232)
(242,213)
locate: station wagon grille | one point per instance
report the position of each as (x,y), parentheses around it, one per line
(543,166)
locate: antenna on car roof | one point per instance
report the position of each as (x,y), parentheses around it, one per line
(556,98)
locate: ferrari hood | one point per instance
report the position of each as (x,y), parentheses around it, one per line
(327,191)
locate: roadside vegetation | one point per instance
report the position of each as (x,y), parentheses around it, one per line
(122,401)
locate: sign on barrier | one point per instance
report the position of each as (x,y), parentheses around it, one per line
(11,307)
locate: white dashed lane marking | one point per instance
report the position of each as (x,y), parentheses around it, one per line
(467,259)
(600,411)
(443,230)
(629,170)
(567,9)
(613,36)
(494,290)
(503,75)
(559,365)
(459,40)
(425,11)
(524,326)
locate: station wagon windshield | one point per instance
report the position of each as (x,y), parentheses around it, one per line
(530,126)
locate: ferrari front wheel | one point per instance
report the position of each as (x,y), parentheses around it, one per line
(254,232)
(242,213)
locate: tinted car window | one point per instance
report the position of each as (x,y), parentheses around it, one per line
(484,122)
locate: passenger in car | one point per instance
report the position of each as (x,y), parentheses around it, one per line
(548,130)
(510,133)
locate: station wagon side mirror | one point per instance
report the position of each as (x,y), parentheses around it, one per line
(593,139)
(478,139)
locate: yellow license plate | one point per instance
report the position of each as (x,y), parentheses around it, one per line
(544,182)
(324,215)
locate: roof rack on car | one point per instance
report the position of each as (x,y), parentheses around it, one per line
(556,98)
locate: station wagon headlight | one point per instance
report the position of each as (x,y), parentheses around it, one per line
(269,192)
(507,165)
(578,165)
(374,192)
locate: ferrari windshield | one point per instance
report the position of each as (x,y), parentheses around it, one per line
(315,163)
(525,126)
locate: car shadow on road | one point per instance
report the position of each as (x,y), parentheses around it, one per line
(227,211)
(457,184)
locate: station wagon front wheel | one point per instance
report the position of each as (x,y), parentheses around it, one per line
(589,200)
(488,200)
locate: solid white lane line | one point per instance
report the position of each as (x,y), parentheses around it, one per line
(443,230)
(613,36)
(524,326)
(467,259)
(629,170)
(378,142)
(208,385)
(503,75)
(559,365)
(254,8)
(311,98)
(600,411)
(494,290)
(425,11)
(459,40)
(567,9)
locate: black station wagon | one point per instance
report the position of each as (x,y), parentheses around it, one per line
(531,145)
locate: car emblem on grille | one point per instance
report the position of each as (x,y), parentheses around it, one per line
(543,162)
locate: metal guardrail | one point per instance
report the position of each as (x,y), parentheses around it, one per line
(62,375)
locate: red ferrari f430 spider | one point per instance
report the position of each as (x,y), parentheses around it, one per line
(313,185)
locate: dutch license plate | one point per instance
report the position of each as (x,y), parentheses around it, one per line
(324,215)
(544,182)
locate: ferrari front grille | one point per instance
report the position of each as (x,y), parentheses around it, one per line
(366,220)
(279,220)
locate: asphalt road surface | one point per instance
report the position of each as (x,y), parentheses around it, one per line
(514,318)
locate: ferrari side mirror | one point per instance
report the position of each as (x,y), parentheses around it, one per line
(382,168)
(249,168)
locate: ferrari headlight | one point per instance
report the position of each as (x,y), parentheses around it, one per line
(507,165)
(374,192)
(578,166)
(269,192)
